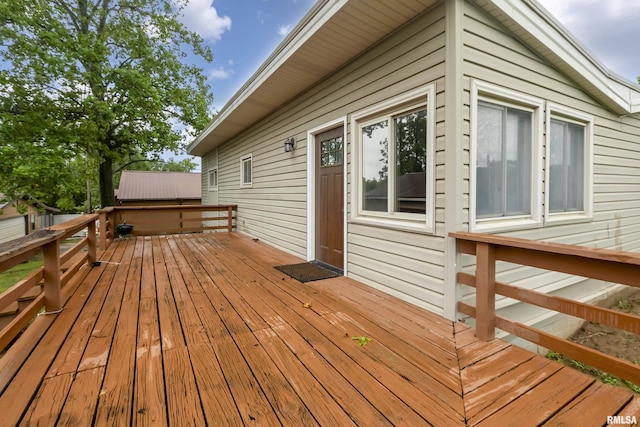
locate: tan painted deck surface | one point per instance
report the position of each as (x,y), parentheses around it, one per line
(202,330)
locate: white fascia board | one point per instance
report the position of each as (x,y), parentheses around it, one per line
(543,27)
(314,21)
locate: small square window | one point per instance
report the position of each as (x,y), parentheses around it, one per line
(246,171)
(213,179)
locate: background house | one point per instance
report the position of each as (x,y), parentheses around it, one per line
(150,188)
(14,224)
(524,133)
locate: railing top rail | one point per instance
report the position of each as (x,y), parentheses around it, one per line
(75,224)
(550,247)
(28,243)
(40,238)
(165,207)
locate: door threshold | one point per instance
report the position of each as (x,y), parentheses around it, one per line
(329,267)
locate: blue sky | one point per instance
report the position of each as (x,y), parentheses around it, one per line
(242,34)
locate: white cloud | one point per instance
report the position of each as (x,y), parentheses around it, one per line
(609,29)
(283,30)
(220,73)
(201,17)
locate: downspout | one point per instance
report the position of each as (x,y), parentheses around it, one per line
(454,140)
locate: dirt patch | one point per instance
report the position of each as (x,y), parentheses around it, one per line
(612,341)
(615,342)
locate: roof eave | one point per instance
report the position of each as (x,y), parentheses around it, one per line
(529,20)
(311,22)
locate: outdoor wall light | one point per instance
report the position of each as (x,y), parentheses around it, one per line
(289,144)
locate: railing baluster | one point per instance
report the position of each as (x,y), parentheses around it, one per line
(91,242)
(52,292)
(486,291)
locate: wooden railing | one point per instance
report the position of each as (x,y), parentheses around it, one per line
(170,219)
(60,268)
(57,270)
(606,265)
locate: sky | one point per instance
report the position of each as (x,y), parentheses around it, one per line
(243,33)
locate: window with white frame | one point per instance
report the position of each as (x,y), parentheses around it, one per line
(506,165)
(504,161)
(213,179)
(395,161)
(569,141)
(246,171)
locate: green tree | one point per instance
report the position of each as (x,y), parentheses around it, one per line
(92,82)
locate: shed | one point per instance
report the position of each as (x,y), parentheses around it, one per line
(158,188)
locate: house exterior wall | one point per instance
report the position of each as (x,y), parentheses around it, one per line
(409,264)
(14,224)
(274,207)
(491,55)
(12,228)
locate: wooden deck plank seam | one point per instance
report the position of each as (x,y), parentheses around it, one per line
(298,302)
(240,327)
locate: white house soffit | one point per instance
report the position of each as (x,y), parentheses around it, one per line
(543,33)
(331,34)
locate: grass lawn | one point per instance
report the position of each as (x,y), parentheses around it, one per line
(19,272)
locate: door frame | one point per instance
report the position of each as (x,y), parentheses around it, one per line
(311,187)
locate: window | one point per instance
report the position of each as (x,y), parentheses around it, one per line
(395,165)
(246,171)
(506,161)
(566,167)
(568,164)
(331,152)
(213,179)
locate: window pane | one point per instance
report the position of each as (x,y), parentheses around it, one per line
(489,177)
(575,168)
(246,171)
(503,163)
(411,162)
(331,152)
(566,160)
(518,161)
(375,166)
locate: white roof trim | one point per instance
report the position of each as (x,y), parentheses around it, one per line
(526,19)
(313,21)
(619,94)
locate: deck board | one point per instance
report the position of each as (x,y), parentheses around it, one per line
(203,330)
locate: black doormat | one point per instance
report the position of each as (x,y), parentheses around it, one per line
(307,272)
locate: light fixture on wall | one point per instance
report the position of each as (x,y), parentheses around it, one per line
(289,144)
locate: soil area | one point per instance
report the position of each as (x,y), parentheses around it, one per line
(612,341)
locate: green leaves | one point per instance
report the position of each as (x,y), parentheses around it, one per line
(362,341)
(95,80)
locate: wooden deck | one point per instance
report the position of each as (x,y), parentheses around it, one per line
(202,330)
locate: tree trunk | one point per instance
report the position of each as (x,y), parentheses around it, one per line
(107,197)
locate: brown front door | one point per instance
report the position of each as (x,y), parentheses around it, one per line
(330,197)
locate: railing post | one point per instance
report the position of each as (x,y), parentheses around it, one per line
(91,242)
(485,291)
(230,219)
(52,292)
(103,230)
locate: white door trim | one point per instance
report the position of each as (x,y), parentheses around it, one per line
(311,187)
